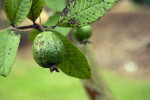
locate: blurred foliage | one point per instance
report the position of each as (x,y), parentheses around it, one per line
(33,34)
(57,5)
(142,1)
(29,82)
(127,89)
(1,3)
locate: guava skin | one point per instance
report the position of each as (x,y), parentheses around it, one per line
(83,33)
(48,50)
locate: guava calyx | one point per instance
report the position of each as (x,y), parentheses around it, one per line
(53,68)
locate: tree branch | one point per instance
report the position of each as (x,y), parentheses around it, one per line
(26,27)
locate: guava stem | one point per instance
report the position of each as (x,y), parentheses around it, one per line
(40,26)
(35,26)
(26,27)
(86,42)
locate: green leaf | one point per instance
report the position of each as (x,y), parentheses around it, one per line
(9,42)
(52,21)
(57,5)
(17,10)
(80,13)
(74,63)
(62,30)
(33,34)
(36,9)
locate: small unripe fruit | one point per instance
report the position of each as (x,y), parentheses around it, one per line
(83,33)
(48,49)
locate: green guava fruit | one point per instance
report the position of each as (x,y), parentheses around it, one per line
(83,33)
(48,50)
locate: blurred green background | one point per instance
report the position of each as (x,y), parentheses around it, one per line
(27,81)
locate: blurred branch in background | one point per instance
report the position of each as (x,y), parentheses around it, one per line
(96,87)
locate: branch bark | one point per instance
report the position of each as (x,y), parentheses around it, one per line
(95,87)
